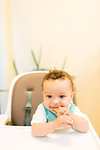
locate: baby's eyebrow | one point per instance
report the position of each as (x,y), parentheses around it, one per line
(62,94)
(47,93)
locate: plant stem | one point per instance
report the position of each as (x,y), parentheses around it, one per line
(3,90)
(34,57)
(15,68)
(64,63)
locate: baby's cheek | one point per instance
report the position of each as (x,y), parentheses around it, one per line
(65,103)
(47,104)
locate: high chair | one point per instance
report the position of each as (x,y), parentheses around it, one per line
(24,96)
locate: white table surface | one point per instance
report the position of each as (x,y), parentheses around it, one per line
(20,138)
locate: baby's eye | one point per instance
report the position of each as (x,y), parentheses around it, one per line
(62,96)
(48,96)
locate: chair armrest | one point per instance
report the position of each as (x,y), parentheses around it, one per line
(3,119)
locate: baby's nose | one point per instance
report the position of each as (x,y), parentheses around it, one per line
(55,103)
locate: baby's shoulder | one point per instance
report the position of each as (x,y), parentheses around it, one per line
(79,113)
(40,106)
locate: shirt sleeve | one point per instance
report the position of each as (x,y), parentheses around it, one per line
(39,116)
(80,114)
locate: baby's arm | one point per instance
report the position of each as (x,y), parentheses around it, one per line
(43,129)
(79,123)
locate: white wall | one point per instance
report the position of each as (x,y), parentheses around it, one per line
(62,28)
(3,63)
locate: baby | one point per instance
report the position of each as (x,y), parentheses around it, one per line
(57,110)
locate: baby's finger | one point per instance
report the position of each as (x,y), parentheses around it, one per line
(69,121)
(68,126)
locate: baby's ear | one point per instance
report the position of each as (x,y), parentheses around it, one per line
(72,95)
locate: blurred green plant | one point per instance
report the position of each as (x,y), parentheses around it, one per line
(64,63)
(37,62)
(3,90)
(15,68)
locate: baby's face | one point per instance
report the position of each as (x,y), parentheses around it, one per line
(57,93)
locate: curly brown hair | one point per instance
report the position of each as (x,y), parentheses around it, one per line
(57,74)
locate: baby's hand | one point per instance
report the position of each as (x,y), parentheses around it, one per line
(63,121)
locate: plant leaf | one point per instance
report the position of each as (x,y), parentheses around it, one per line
(3,90)
(35,61)
(40,55)
(64,63)
(15,68)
